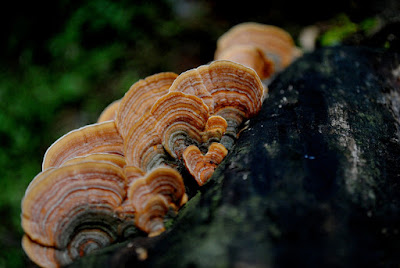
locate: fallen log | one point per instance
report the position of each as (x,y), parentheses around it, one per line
(313,181)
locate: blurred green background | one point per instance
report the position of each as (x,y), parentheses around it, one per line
(62,62)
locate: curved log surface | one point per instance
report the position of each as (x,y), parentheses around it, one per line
(312,182)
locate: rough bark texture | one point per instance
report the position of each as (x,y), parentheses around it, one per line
(314,181)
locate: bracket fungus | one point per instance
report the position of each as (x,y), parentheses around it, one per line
(97,138)
(101,182)
(265,48)
(69,211)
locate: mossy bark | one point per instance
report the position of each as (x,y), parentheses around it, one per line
(312,182)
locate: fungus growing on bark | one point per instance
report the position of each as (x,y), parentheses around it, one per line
(230,90)
(276,44)
(69,211)
(153,194)
(96,138)
(101,180)
(202,166)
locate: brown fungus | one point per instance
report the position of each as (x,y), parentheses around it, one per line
(100,181)
(229,89)
(97,138)
(69,211)
(276,44)
(153,194)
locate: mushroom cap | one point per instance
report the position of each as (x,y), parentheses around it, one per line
(230,84)
(153,194)
(96,138)
(163,180)
(215,127)
(139,99)
(57,197)
(43,256)
(273,41)
(181,118)
(202,166)
(151,218)
(250,56)
(110,112)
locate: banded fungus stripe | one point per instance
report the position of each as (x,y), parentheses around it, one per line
(97,138)
(116,159)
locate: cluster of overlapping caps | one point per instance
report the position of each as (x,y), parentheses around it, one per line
(100,182)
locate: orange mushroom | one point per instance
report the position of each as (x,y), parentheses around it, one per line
(153,194)
(202,166)
(96,138)
(70,211)
(101,180)
(273,41)
(180,118)
(229,89)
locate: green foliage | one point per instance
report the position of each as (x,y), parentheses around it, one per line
(342,29)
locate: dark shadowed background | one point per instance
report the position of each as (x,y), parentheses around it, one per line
(62,62)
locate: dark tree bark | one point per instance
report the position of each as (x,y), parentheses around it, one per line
(314,181)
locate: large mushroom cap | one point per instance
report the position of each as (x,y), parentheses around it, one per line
(97,138)
(72,207)
(276,43)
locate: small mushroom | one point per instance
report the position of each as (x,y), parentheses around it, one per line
(202,166)
(276,43)
(110,112)
(97,138)
(70,211)
(215,128)
(153,194)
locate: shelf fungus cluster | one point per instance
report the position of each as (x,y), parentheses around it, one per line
(101,183)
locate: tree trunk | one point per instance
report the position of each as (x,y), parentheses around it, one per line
(314,181)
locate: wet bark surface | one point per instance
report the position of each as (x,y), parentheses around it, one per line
(313,181)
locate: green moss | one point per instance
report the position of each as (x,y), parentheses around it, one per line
(342,29)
